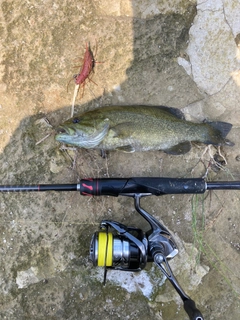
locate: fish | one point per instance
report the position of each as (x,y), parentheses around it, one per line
(140,128)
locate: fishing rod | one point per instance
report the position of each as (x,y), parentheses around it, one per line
(122,186)
(119,247)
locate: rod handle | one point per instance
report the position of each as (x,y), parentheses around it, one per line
(155,186)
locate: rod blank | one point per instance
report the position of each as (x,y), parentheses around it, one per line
(223,185)
(39,187)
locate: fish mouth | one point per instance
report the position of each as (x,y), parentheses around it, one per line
(69,135)
(64,130)
(60,130)
(79,138)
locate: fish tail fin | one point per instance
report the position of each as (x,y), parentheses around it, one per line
(223,127)
(218,132)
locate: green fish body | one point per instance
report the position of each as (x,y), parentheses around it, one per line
(140,128)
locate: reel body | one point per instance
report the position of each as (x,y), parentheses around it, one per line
(116,246)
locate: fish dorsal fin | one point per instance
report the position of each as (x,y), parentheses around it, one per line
(180,148)
(173,111)
(127,149)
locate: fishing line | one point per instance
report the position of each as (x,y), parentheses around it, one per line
(105,260)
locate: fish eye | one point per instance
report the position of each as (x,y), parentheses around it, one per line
(76,120)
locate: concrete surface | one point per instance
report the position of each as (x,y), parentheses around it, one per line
(183,54)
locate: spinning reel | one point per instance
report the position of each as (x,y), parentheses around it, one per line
(116,246)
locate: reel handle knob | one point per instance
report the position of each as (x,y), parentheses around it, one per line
(191,310)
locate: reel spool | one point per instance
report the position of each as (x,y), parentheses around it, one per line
(121,247)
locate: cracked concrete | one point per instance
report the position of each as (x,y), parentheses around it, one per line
(212,48)
(183,54)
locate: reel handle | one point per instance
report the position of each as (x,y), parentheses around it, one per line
(191,310)
(189,304)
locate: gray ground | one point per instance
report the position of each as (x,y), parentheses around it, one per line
(183,54)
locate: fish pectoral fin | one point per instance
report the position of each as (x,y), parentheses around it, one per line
(127,149)
(178,149)
(122,130)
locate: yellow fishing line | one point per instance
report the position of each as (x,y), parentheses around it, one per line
(105,239)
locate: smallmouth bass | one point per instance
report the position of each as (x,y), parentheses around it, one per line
(140,128)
